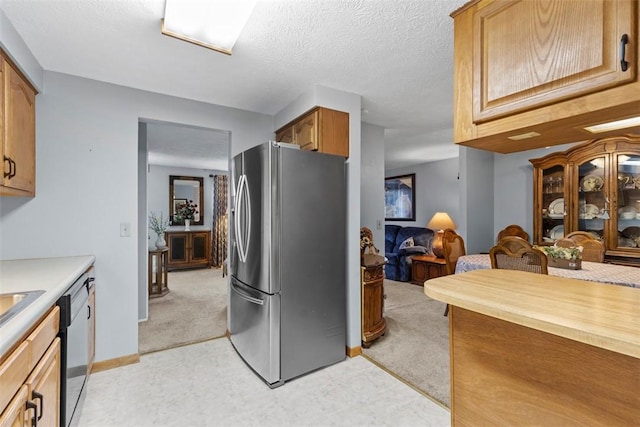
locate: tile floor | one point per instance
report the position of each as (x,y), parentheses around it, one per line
(207,384)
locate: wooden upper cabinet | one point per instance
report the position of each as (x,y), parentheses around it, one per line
(18,133)
(547,67)
(531,53)
(285,135)
(321,129)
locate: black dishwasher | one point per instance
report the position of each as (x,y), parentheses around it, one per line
(74,336)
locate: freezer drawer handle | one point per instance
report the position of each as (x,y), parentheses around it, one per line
(245,296)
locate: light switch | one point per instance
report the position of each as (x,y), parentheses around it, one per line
(379,224)
(125,229)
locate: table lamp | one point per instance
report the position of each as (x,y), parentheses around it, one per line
(440,222)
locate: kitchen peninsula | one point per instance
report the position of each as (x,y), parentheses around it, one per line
(536,349)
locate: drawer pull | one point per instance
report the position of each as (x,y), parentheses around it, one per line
(34,419)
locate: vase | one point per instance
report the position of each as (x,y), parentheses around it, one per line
(160,242)
(187,224)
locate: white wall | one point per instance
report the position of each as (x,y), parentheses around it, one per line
(87,175)
(437,190)
(372,182)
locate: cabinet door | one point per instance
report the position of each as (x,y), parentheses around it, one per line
(14,415)
(625,215)
(529,53)
(285,135)
(550,203)
(200,247)
(591,191)
(178,248)
(305,131)
(19,132)
(92,327)
(44,387)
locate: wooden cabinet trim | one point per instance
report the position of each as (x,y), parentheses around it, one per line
(13,372)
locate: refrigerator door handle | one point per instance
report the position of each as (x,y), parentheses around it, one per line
(238,212)
(244,296)
(245,245)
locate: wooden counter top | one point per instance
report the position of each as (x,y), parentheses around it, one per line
(602,315)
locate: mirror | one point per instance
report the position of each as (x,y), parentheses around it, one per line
(183,189)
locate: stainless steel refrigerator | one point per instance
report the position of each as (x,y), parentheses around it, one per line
(287,299)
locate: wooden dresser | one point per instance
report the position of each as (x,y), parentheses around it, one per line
(189,249)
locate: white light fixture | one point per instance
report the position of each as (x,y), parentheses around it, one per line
(214,24)
(616,125)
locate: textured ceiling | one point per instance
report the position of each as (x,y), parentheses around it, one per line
(396,54)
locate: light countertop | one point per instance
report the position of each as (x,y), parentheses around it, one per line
(602,315)
(52,275)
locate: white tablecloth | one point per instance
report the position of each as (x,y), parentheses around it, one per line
(591,271)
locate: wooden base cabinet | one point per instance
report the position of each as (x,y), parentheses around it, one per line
(189,249)
(372,299)
(30,377)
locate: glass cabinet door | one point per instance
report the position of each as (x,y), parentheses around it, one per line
(554,210)
(626,218)
(593,205)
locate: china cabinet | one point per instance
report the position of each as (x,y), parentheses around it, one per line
(320,129)
(529,73)
(592,187)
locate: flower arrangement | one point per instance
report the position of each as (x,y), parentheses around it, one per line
(157,223)
(186,211)
(558,252)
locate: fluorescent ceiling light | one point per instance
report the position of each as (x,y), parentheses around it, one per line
(215,24)
(618,124)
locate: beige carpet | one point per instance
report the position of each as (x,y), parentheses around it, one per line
(194,310)
(416,345)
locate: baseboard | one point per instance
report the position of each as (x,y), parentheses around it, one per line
(105,365)
(354,351)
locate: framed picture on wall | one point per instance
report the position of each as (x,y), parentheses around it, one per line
(400,197)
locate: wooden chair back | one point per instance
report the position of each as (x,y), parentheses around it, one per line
(523,259)
(592,249)
(580,236)
(453,248)
(513,230)
(514,243)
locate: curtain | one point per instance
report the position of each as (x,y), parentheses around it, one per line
(220,219)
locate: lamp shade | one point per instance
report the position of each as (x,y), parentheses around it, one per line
(441,221)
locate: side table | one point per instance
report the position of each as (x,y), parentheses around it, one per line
(158,285)
(372,303)
(425,267)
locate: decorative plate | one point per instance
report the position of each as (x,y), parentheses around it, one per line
(556,207)
(632,233)
(592,183)
(557,232)
(588,211)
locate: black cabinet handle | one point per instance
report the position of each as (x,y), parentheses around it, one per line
(40,397)
(624,65)
(89,314)
(8,160)
(13,162)
(34,420)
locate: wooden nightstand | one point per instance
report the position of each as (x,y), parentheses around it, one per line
(425,267)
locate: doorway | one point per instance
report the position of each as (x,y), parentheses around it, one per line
(168,149)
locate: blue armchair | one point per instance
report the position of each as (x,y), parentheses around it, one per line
(400,243)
